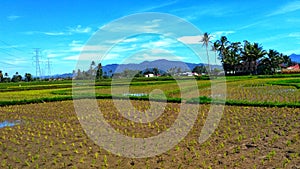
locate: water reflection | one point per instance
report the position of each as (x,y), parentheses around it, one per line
(134,94)
(9,123)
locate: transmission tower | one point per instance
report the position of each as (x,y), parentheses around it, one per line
(37,62)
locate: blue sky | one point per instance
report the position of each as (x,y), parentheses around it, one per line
(62,29)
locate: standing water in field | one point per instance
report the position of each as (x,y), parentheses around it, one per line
(9,124)
(134,94)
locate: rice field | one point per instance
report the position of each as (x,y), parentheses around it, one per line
(49,134)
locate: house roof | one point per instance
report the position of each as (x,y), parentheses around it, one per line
(295,67)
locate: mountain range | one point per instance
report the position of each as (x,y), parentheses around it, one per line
(161,64)
(295,58)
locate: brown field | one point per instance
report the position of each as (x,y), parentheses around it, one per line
(50,136)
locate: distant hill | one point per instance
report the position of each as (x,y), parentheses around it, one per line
(161,64)
(295,58)
(57,76)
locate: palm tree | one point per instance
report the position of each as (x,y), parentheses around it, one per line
(286,59)
(251,54)
(233,55)
(214,48)
(206,40)
(275,59)
(222,44)
(99,72)
(92,68)
(269,64)
(258,53)
(222,47)
(1,76)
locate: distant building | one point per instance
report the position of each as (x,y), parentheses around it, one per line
(149,75)
(188,74)
(295,67)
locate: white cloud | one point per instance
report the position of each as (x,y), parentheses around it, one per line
(137,26)
(80,29)
(161,5)
(289,52)
(53,55)
(74,57)
(130,40)
(151,57)
(54,33)
(162,43)
(197,38)
(77,30)
(250,25)
(191,39)
(161,51)
(218,34)
(287,8)
(91,56)
(13,17)
(120,49)
(212,10)
(294,35)
(293,20)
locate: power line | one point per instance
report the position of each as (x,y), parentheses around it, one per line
(6,52)
(11,46)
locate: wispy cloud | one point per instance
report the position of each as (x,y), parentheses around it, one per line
(91,56)
(218,34)
(71,30)
(13,17)
(287,8)
(249,25)
(197,39)
(138,27)
(191,39)
(195,12)
(54,33)
(294,35)
(155,54)
(289,52)
(80,29)
(154,7)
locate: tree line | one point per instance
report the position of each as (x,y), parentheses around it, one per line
(245,58)
(94,72)
(15,78)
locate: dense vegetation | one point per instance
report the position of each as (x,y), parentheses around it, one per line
(249,58)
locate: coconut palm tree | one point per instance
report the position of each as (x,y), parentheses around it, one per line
(233,56)
(275,59)
(214,48)
(206,40)
(1,76)
(286,59)
(251,54)
(222,44)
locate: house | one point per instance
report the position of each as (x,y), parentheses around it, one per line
(149,75)
(295,67)
(189,74)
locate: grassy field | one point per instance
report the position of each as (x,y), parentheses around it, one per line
(259,127)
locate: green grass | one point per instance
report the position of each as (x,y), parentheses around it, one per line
(287,82)
(207,100)
(39,92)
